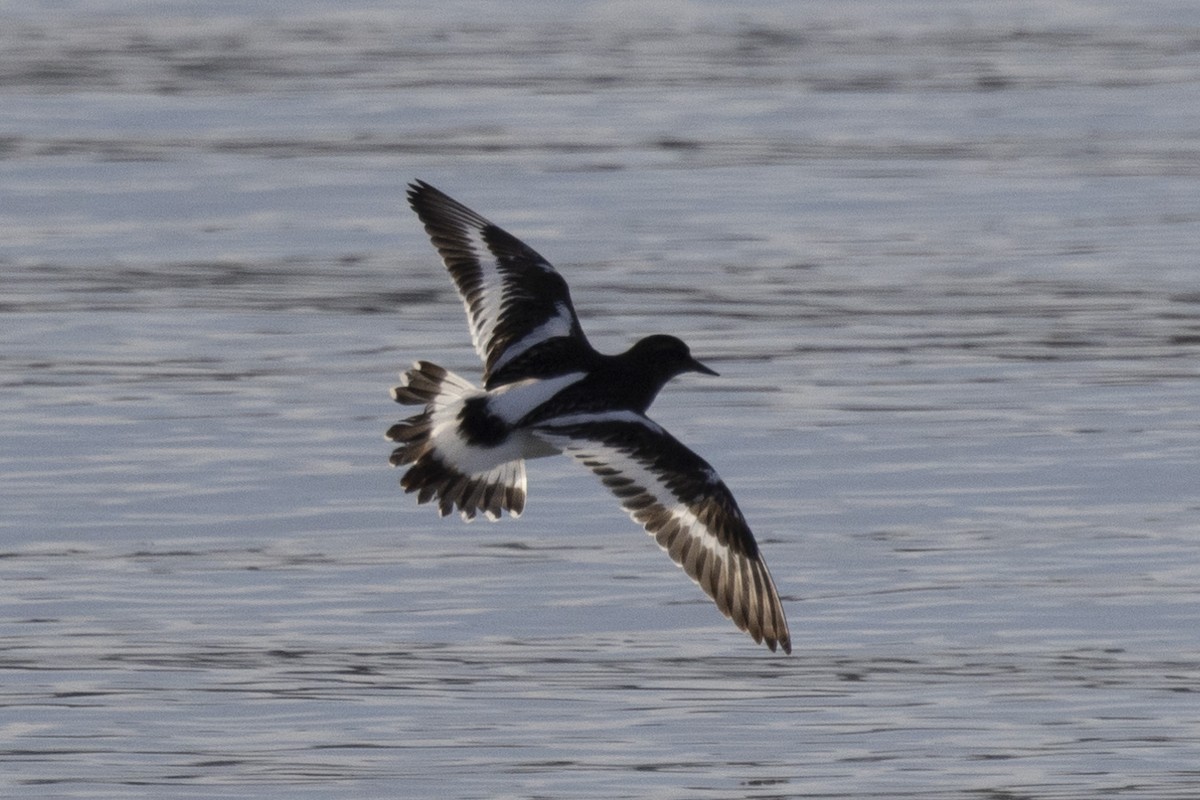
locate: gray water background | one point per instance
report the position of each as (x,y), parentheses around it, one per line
(944,256)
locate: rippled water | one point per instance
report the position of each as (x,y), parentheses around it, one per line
(945,262)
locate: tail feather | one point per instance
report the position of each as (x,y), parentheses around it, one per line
(413,434)
(433,474)
(428,383)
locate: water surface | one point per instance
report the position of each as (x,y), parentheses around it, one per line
(944,262)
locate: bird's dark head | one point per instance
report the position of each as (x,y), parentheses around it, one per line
(666,356)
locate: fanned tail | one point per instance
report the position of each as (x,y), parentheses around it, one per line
(428,441)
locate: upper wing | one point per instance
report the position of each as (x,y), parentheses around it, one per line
(682,502)
(517,305)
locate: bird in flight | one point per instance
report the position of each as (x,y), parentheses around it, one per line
(546,391)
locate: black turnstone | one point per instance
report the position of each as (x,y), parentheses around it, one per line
(547,391)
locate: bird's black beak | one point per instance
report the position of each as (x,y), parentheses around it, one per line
(698,367)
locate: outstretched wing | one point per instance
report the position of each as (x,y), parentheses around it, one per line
(682,502)
(522,322)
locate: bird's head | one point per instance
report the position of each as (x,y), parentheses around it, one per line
(667,356)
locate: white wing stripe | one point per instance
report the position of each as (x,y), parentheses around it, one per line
(557,325)
(485,311)
(588,417)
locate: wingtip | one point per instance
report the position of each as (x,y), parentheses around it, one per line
(421,194)
(416,188)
